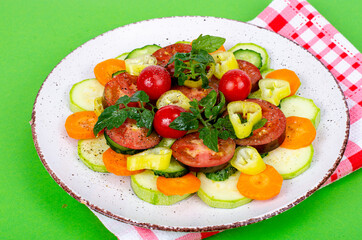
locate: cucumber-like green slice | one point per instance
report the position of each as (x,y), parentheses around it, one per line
(145,187)
(255,48)
(174,170)
(265,72)
(223,174)
(83,93)
(249,56)
(301,107)
(290,162)
(166,142)
(90,151)
(221,194)
(146,50)
(122,56)
(118,148)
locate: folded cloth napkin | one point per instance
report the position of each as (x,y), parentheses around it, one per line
(302,23)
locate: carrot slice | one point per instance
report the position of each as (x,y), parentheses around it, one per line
(287,75)
(104,70)
(116,163)
(262,186)
(299,133)
(80,125)
(178,186)
(221,49)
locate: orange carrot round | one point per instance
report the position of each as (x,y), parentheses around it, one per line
(104,70)
(80,125)
(299,133)
(178,186)
(262,186)
(116,163)
(286,75)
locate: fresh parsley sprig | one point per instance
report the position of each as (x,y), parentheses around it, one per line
(193,65)
(207,112)
(114,117)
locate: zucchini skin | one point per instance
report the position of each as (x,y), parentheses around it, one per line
(119,149)
(175,169)
(222,174)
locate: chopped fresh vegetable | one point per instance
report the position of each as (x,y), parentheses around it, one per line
(163,117)
(286,75)
(116,163)
(98,106)
(178,186)
(247,160)
(155,158)
(224,61)
(173,97)
(235,85)
(144,186)
(155,81)
(273,90)
(134,66)
(250,115)
(80,125)
(175,169)
(104,70)
(262,186)
(222,174)
(300,132)
(90,153)
(82,95)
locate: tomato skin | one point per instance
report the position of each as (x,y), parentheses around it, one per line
(235,85)
(163,117)
(154,80)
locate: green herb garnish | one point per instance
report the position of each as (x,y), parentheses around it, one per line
(206,112)
(193,65)
(114,117)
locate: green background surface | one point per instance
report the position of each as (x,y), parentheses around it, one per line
(36,35)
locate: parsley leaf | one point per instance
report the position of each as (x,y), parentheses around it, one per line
(114,116)
(210,138)
(186,121)
(208,43)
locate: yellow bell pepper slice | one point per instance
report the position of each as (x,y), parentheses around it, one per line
(98,106)
(225,61)
(247,160)
(250,111)
(198,83)
(173,97)
(134,66)
(156,159)
(274,90)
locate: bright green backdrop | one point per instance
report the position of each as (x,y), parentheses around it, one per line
(36,35)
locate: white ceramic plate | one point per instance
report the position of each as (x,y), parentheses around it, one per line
(112,196)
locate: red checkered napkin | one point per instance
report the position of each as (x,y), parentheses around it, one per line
(300,22)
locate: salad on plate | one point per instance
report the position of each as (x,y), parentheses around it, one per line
(193,117)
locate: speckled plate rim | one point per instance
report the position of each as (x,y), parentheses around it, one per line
(188,229)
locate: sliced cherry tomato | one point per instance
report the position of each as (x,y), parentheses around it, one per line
(154,80)
(120,85)
(252,71)
(191,151)
(130,136)
(164,55)
(272,134)
(235,85)
(163,117)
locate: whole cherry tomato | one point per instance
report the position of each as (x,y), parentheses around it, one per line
(154,80)
(235,85)
(163,117)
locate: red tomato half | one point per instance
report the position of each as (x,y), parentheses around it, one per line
(190,150)
(154,80)
(235,85)
(163,117)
